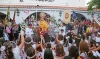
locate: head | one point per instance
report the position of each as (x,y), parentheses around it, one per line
(8,50)
(48,54)
(30,52)
(27,43)
(48,45)
(60,50)
(59,20)
(67,57)
(62,31)
(60,37)
(62,24)
(92,43)
(73,52)
(83,47)
(30,25)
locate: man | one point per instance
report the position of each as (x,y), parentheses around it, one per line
(62,32)
(62,27)
(29,32)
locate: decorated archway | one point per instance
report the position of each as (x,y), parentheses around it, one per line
(36,17)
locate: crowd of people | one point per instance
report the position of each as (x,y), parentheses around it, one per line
(80,39)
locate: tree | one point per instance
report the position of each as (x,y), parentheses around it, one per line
(93,3)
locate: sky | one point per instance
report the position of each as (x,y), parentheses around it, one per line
(87,1)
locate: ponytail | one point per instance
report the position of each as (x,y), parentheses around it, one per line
(8,50)
(9,54)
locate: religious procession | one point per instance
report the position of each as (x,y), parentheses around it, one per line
(49,33)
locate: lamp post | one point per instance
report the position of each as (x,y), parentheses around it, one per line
(60,13)
(18,12)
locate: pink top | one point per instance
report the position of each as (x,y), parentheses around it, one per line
(8,29)
(86,22)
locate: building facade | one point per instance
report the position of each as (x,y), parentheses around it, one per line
(51,7)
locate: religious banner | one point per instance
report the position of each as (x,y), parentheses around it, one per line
(67,16)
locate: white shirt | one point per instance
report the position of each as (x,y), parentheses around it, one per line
(64,28)
(16,53)
(97,39)
(84,55)
(28,32)
(62,33)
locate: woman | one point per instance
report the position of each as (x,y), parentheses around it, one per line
(48,54)
(11,50)
(30,52)
(15,31)
(74,53)
(60,53)
(84,49)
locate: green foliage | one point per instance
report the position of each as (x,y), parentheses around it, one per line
(54,21)
(93,3)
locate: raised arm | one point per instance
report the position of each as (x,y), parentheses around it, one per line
(41,41)
(57,38)
(22,41)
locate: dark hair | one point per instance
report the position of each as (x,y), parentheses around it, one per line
(48,54)
(67,57)
(8,50)
(92,42)
(60,37)
(52,39)
(65,41)
(62,29)
(0,47)
(28,39)
(30,52)
(73,52)
(48,45)
(37,39)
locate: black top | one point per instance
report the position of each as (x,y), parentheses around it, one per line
(1,31)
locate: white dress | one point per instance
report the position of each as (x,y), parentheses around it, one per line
(16,53)
(84,55)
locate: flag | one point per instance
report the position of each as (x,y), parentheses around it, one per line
(7,17)
(74,15)
(67,16)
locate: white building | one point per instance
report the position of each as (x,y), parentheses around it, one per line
(51,7)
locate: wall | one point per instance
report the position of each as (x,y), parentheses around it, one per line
(52,12)
(74,3)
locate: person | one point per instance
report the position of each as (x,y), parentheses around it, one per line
(29,32)
(11,50)
(48,54)
(59,38)
(60,53)
(30,52)
(67,57)
(74,52)
(1,32)
(62,32)
(84,49)
(62,27)
(15,31)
